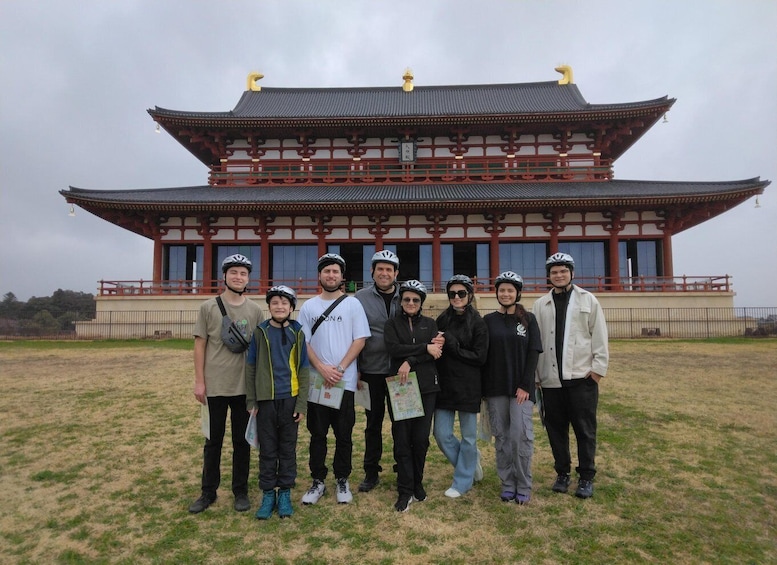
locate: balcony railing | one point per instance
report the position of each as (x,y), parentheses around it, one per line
(717,283)
(346,171)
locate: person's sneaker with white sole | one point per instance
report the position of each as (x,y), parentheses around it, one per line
(403,502)
(314,493)
(344,495)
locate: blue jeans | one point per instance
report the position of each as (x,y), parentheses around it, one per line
(462,453)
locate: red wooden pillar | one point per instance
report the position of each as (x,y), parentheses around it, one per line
(206,231)
(666,244)
(378,230)
(156,276)
(264,232)
(553,228)
(615,228)
(493,249)
(615,261)
(436,230)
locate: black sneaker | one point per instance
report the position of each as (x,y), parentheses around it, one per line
(419,494)
(585,489)
(403,503)
(561,484)
(242,503)
(369,483)
(201,504)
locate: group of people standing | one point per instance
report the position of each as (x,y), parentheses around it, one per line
(510,358)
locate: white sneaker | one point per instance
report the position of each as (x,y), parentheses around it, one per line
(315,492)
(344,495)
(452,493)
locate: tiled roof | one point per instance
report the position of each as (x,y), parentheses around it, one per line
(423,101)
(410,196)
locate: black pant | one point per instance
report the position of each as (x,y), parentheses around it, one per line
(320,418)
(411,443)
(373,432)
(277,433)
(241,451)
(576,406)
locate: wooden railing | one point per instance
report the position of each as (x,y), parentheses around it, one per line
(346,171)
(717,283)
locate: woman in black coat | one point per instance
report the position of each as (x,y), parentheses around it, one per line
(464,353)
(413,343)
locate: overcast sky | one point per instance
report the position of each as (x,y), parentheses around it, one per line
(78,76)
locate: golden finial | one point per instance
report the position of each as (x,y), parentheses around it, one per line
(408,78)
(253,81)
(565,70)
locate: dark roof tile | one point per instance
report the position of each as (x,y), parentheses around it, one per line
(423,101)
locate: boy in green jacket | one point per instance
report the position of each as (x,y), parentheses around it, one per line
(277,380)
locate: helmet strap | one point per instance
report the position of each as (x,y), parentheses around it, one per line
(238,292)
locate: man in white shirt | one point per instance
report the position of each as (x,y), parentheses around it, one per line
(334,339)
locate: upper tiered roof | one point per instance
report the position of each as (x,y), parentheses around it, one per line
(526,100)
(481,109)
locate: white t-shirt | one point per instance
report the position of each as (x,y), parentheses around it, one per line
(334,336)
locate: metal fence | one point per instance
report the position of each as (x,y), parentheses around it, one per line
(623,323)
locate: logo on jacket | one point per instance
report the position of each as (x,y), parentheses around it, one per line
(520,330)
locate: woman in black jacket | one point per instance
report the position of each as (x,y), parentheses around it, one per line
(464,353)
(413,343)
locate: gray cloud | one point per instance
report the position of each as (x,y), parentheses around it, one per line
(79,76)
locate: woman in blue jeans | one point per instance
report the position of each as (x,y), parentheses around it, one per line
(464,352)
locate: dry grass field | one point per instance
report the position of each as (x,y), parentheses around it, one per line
(101,455)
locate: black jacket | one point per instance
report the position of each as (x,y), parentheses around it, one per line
(406,344)
(464,353)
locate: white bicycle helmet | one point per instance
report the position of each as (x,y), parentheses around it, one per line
(331,259)
(385,256)
(236,260)
(285,291)
(413,286)
(558,259)
(509,277)
(463,280)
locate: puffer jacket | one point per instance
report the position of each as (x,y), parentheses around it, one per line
(464,353)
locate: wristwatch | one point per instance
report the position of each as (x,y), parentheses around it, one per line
(340,369)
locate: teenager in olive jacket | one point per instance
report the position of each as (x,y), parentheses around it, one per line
(413,343)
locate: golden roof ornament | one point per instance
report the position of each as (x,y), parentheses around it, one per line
(565,70)
(253,81)
(408,78)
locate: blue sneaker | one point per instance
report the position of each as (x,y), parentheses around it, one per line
(268,505)
(507,496)
(284,503)
(585,489)
(522,498)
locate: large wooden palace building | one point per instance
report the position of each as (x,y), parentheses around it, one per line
(472,179)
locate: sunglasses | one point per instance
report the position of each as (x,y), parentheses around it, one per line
(454,293)
(412,300)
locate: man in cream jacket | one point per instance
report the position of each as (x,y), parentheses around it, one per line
(575,357)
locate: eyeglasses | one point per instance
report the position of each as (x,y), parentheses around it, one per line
(454,293)
(413,300)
